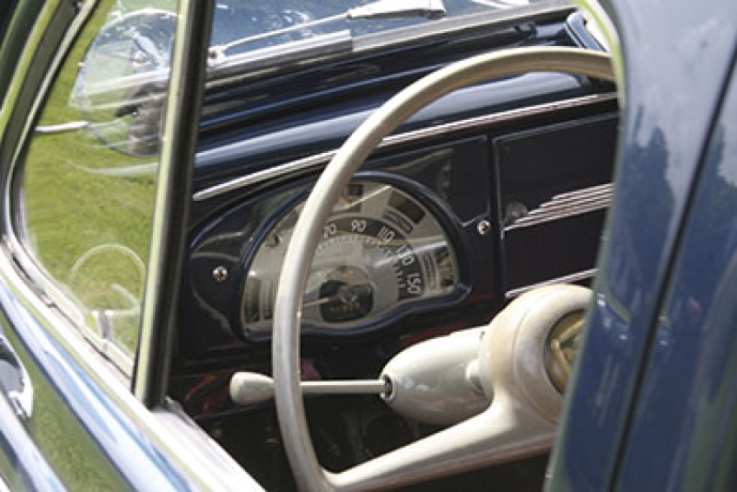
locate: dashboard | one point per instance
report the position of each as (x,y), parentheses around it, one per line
(456,226)
(494,190)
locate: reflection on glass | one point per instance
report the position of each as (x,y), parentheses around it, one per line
(241,27)
(89,179)
(121,84)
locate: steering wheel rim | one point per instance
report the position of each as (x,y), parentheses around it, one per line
(309,475)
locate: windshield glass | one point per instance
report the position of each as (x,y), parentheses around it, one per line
(127,64)
(236,20)
(247,26)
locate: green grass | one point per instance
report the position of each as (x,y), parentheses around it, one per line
(91,232)
(89,227)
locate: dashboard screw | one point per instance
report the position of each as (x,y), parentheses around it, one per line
(484,227)
(220,274)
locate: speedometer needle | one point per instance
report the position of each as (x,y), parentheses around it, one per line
(317,302)
(346,294)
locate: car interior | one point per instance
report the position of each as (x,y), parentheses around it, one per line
(493,191)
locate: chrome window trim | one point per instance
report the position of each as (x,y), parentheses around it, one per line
(320,160)
(170,214)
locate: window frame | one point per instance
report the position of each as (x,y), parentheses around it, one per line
(176,451)
(55,28)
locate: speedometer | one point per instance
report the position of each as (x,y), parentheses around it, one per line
(381,249)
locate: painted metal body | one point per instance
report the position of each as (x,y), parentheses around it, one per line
(652,407)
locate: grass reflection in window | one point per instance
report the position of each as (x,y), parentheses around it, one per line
(90,174)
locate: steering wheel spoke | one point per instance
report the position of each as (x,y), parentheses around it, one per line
(503,432)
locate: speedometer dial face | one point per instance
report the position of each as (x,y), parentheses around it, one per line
(380,250)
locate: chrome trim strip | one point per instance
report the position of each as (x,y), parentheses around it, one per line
(264,175)
(323,158)
(566,205)
(574,277)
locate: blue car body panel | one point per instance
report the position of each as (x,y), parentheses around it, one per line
(687,401)
(676,65)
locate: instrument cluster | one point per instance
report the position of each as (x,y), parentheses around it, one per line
(382,249)
(398,245)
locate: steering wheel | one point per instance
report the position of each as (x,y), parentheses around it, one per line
(501,432)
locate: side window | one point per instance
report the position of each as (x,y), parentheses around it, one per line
(85,194)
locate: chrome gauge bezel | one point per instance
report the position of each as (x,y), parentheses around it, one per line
(424,196)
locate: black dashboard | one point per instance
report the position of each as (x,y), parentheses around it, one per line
(457,223)
(496,189)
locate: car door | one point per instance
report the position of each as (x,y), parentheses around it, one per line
(93,171)
(686,403)
(646,320)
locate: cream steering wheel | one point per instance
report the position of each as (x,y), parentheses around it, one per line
(475,442)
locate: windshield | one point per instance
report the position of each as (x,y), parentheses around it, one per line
(127,64)
(130,54)
(236,20)
(247,26)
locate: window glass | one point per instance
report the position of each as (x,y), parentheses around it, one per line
(246,26)
(86,190)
